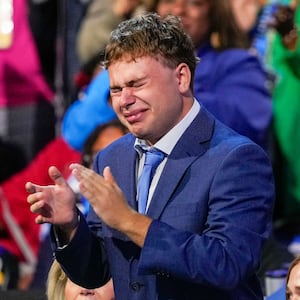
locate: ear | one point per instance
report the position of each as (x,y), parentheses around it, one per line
(183,74)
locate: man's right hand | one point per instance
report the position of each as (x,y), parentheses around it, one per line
(55,204)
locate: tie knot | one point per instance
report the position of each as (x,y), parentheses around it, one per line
(154,157)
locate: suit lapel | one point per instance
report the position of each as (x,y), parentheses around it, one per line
(193,143)
(126,160)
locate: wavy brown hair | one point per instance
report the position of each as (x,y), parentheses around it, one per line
(151,35)
(223,24)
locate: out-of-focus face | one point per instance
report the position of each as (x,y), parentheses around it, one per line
(293,284)
(149,97)
(107,136)
(76,292)
(245,13)
(194,15)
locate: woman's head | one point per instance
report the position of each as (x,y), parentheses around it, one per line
(60,287)
(206,20)
(293,280)
(76,292)
(56,283)
(195,16)
(102,136)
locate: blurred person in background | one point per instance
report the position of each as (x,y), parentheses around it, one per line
(27,115)
(273,28)
(101,18)
(60,287)
(284,60)
(293,280)
(274,36)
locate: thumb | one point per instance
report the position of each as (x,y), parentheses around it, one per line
(56,176)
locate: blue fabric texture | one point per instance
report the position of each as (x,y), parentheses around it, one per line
(85,114)
(231,84)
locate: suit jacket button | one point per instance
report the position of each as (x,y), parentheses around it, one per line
(136,286)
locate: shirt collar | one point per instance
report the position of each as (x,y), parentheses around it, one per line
(169,140)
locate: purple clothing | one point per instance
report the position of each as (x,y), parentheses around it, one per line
(231,84)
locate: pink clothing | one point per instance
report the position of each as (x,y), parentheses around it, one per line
(21,77)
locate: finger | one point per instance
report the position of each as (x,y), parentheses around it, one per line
(41,220)
(30,187)
(82,173)
(108,175)
(76,170)
(74,166)
(33,188)
(32,198)
(37,204)
(56,176)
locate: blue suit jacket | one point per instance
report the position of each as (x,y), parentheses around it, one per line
(212,212)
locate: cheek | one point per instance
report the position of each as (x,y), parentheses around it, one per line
(201,22)
(115,103)
(71,290)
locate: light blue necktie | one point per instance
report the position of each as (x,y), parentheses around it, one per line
(153,158)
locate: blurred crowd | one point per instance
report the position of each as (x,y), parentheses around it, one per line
(54,95)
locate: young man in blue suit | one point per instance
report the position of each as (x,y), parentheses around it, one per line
(210,202)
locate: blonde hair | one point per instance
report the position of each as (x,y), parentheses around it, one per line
(56,282)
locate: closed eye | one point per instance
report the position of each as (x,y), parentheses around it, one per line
(132,84)
(115,90)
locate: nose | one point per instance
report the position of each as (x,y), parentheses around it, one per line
(127,98)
